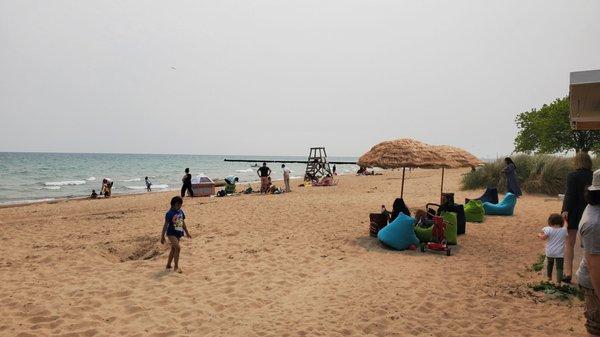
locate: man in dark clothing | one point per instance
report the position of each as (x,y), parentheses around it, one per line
(574,204)
(264,172)
(187,184)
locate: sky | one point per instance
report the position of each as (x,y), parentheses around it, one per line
(277,77)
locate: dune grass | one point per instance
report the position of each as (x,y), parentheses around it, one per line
(545,174)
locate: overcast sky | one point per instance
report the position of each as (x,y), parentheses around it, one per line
(276,77)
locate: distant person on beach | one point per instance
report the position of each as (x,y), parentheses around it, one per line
(106,187)
(174,228)
(510,170)
(588,275)
(187,184)
(148,184)
(230,182)
(286,178)
(555,235)
(334,170)
(574,203)
(272,189)
(264,172)
(94,195)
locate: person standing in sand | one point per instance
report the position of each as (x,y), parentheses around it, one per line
(264,172)
(555,235)
(512,184)
(174,228)
(187,183)
(286,178)
(148,184)
(588,275)
(573,205)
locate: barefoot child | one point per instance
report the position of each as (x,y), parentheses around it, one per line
(174,228)
(556,235)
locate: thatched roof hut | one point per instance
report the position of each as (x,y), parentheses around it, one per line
(462,157)
(406,152)
(402,153)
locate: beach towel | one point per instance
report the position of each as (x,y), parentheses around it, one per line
(451,233)
(506,206)
(474,211)
(399,234)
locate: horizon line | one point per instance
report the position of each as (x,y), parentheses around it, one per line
(175,154)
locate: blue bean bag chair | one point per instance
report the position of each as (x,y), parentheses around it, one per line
(399,234)
(506,206)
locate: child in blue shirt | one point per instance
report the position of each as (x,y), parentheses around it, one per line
(174,228)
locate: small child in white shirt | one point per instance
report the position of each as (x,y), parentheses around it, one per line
(555,234)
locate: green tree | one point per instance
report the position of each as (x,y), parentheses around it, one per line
(548,130)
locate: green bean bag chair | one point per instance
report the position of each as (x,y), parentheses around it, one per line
(474,211)
(451,232)
(399,234)
(423,233)
(506,206)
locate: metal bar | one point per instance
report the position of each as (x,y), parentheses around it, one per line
(402,189)
(442,188)
(284,161)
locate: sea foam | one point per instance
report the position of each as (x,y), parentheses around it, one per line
(65,183)
(131,180)
(158,186)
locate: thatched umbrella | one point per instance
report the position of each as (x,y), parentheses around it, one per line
(403,153)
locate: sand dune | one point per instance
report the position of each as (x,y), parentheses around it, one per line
(298,264)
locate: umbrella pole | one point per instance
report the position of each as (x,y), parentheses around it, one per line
(402,189)
(442,188)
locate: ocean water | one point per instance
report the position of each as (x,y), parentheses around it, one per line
(31,177)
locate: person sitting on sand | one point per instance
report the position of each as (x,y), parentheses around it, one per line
(230,182)
(325,181)
(94,195)
(148,184)
(555,235)
(174,228)
(422,219)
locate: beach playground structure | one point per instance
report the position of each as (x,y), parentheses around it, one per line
(317,164)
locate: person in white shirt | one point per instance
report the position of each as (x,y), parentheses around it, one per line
(286,178)
(555,234)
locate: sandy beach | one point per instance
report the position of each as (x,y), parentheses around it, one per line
(297,264)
